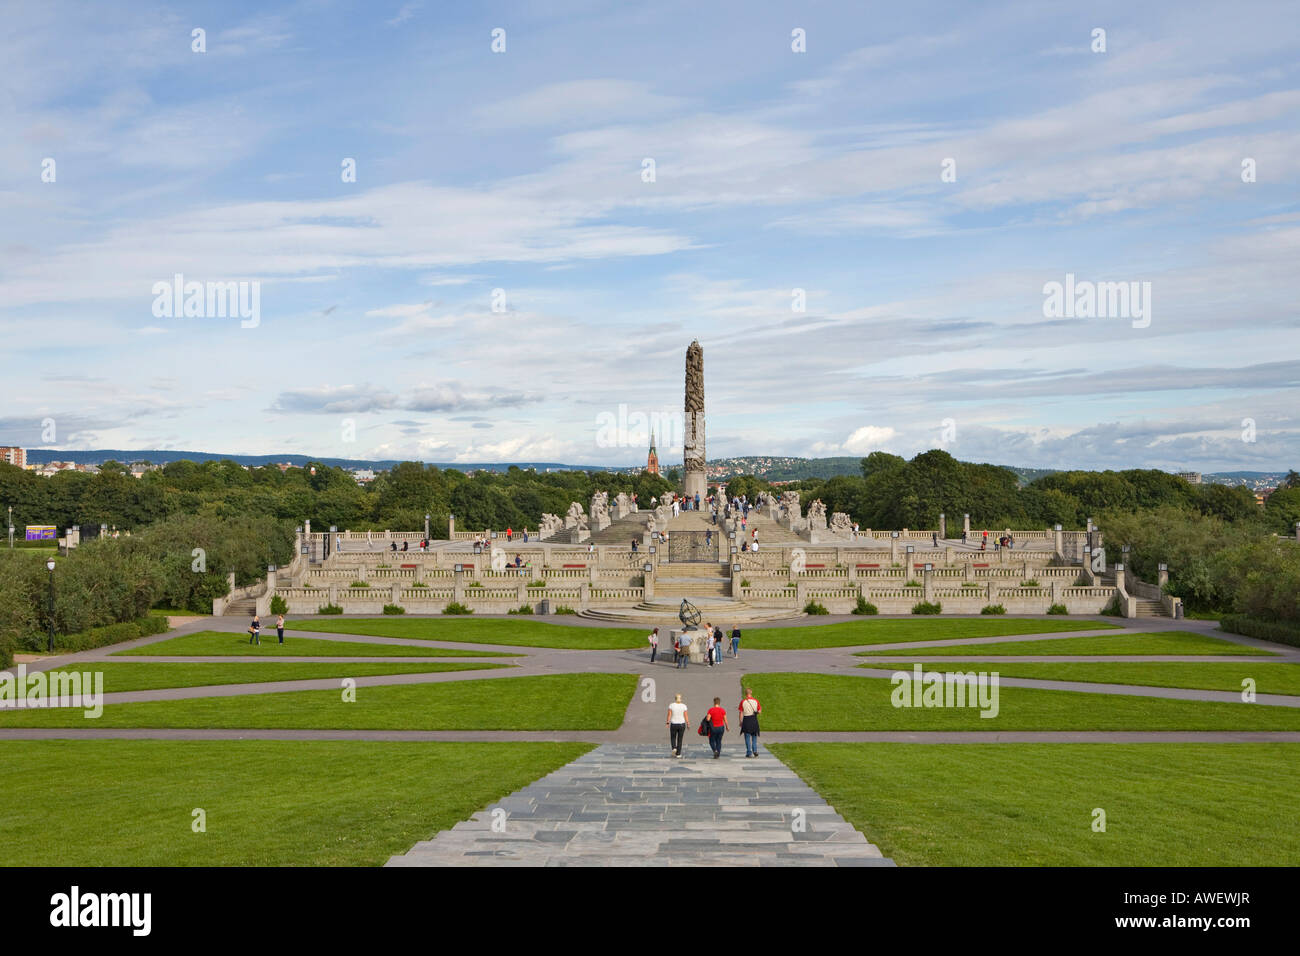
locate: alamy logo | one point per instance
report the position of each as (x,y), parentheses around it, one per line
(103,909)
(939,689)
(1084,299)
(84,689)
(209,300)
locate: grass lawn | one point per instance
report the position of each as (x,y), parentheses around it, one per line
(1269,677)
(225,644)
(268,803)
(835,702)
(122,676)
(521,633)
(1032,804)
(548,702)
(868,631)
(1164,642)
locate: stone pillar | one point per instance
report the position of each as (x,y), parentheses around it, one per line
(1056,591)
(451,527)
(397,592)
(521,591)
(1162,576)
(947,557)
(967,572)
(334,594)
(361,572)
(649,583)
(458,586)
(927,583)
(1119,577)
(694,457)
(965,525)
(893,550)
(584,595)
(1057,539)
(988,591)
(943,525)
(801,593)
(271,578)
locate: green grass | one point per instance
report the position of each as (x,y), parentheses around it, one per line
(1032,804)
(548,702)
(1270,677)
(836,702)
(122,676)
(268,803)
(850,633)
(1164,642)
(519,633)
(225,644)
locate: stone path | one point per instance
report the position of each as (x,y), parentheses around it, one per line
(634,805)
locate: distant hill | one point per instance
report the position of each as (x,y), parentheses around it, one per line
(163,457)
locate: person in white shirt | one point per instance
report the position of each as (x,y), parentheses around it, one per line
(654,644)
(678,718)
(708,645)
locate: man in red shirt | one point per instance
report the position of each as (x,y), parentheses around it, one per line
(717,725)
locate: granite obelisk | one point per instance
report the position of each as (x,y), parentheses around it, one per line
(696,483)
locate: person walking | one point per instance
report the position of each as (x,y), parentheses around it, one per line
(718,641)
(749,711)
(683,652)
(717,718)
(279,627)
(678,720)
(735,640)
(654,644)
(708,645)
(255,631)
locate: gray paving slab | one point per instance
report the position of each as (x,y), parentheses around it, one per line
(732,811)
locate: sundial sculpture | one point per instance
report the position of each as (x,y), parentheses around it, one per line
(689,615)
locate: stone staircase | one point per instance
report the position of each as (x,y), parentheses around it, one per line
(242,607)
(1147,608)
(635,805)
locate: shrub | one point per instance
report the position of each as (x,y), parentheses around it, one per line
(1113,609)
(7,645)
(1058,609)
(912,583)
(94,637)
(394,609)
(812,607)
(564,609)
(993,609)
(536,584)
(359,584)
(329,609)
(455,607)
(1031,583)
(1082,581)
(474,584)
(865,607)
(279,605)
(972,584)
(418,584)
(927,607)
(744,582)
(522,609)
(1264,630)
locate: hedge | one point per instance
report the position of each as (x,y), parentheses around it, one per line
(100,636)
(1264,630)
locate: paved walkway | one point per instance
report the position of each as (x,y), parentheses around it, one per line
(634,805)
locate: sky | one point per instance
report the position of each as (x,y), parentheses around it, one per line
(857,209)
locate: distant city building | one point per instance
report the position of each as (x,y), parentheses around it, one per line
(652,459)
(363,476)
(1191,477)
(14,456)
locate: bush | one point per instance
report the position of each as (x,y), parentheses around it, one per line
(1082,581)
(1058,609)
(912,583)
(474,584)
(455,607)
(94,637)
(1031,583)
(972,584)
(7,646)
(744,582)
(536,584)
(1113,609)
(927,607)
(812,607)
(279,605)
(329,609)
(1264,630)
(394,609)
(564,609)
(993,609)
(418,584)
(522,609)
(359,584)
(865,607)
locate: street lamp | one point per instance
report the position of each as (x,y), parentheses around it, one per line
(426,527)
(49,645)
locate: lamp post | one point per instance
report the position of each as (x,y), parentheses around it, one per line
(49,644)
(426,527)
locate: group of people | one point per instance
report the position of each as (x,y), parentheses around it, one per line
(714,643)
(714,724)
(1002,541)
(406,546)
(255,629)
(510,534)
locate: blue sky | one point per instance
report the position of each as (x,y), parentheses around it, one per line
(924,323)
